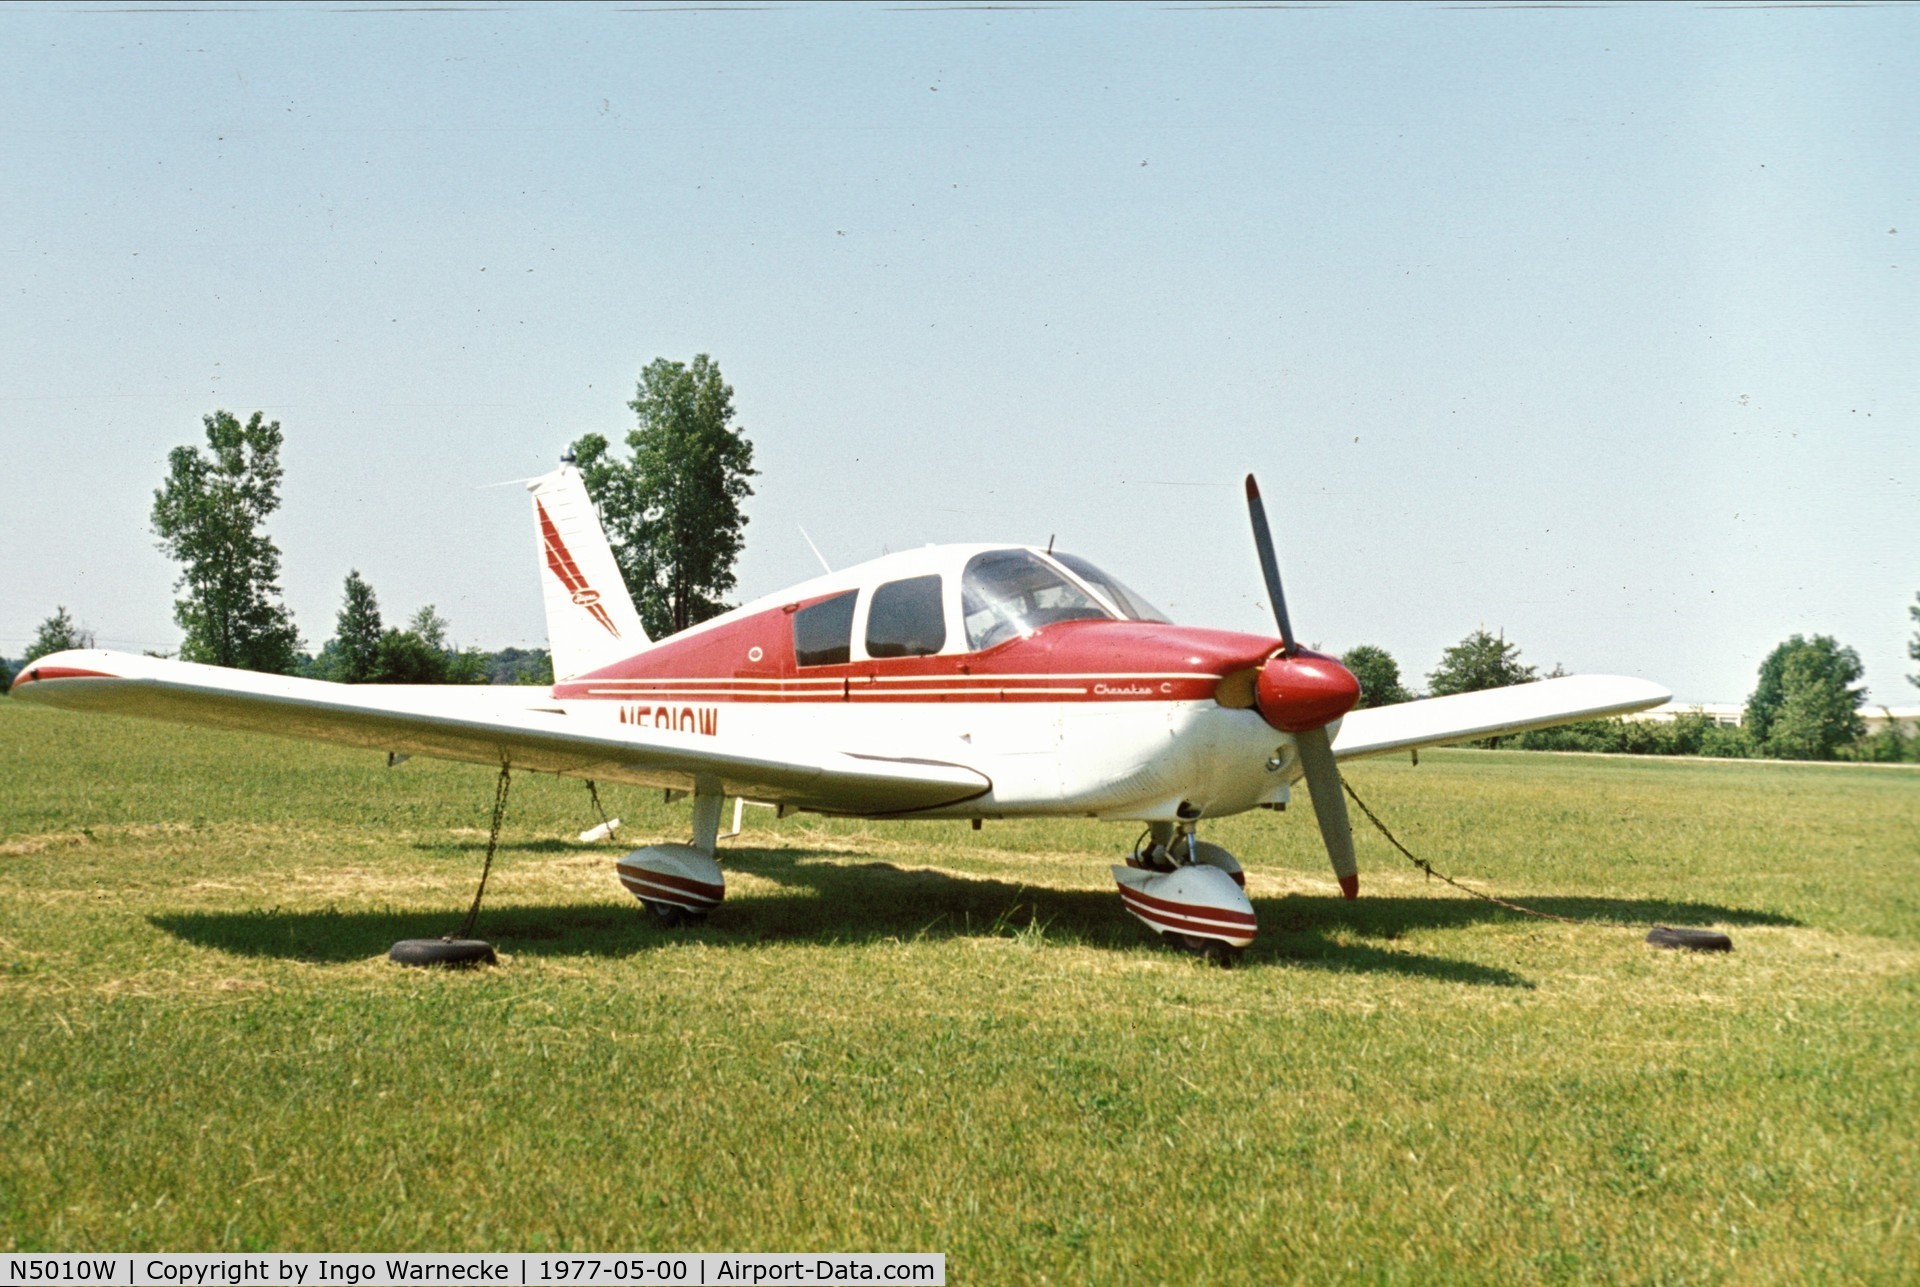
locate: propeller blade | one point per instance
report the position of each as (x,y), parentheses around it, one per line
(1289,689)
(1329,805)
(1269,566)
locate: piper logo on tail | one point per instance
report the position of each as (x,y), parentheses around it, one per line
(561,561)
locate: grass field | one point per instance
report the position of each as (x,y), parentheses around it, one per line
(919,1037)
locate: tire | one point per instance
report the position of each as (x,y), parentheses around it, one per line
(454,953)
(1689,940)
(1211,950)
(672,916)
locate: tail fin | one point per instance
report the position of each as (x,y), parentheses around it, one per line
(591,621)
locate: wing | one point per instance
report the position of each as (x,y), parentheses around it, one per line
(1438,720)
(485,725)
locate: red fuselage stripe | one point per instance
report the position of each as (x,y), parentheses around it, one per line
(887,688)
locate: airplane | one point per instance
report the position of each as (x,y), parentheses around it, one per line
(969,682)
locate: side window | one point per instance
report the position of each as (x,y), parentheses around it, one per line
(905,619)
(823,632)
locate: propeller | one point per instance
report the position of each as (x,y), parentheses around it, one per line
(1301,692)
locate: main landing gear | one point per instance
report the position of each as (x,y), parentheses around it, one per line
(1191,893)
(680,884)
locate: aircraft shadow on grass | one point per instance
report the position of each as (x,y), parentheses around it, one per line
(843,902)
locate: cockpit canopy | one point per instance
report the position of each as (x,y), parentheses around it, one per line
(1004,594)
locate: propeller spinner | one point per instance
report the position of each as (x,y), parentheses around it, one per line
(1301,692)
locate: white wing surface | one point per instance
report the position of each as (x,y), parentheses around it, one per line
(490,726)
(1435,721)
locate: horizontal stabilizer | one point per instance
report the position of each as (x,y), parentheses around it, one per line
(1493,712)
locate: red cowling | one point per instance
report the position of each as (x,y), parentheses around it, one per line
(1304,691)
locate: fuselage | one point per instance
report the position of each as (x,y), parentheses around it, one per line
(1060,685)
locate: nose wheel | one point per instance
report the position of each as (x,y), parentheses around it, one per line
(1213,951)
(670,916)
(1190,893)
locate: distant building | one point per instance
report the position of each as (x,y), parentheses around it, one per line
(1905,718)
(1727,715)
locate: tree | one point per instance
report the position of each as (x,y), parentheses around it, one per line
(1379,676)
(57,633)
(208,518)
(1913,645)
(672,512)
(520,666)
(1806,704)
(352,656)
(420,654)
(1479,661)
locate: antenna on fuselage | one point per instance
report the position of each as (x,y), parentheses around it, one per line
(816,549)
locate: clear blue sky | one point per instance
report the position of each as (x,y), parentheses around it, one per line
(1595,325)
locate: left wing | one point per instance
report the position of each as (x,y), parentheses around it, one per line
(1435,721)
(484,725)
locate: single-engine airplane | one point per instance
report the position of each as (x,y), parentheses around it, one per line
(955,681)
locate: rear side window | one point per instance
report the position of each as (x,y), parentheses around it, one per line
(905,619)
(823,632)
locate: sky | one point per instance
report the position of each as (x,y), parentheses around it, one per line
(1591,325)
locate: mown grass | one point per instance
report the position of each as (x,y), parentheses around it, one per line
(914,1036)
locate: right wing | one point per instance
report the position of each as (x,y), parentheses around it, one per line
(1494,712)
(488,725)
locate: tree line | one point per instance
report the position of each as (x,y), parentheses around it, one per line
(1805,705)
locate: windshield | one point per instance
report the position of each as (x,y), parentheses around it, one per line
(1004,593)
(1131,605)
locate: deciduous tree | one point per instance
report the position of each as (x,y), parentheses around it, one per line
(57,633)
(1479,661)
(1806,704)
(1913,645)
(520,666)
(208,517)
(420,654)
(672,512)
(1378,673)
(352,656)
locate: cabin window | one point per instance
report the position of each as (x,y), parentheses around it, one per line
(823,632)
(1131,605)
(1004,593)
(906,619)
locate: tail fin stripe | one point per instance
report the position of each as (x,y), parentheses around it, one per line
(591,620)
(560,559)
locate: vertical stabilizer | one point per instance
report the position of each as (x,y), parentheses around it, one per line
(591,621)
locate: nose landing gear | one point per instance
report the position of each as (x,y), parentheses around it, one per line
(1189,892)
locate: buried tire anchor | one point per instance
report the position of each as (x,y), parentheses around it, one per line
(457,949)
(1661,936)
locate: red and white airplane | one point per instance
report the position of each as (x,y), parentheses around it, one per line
(955,681)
